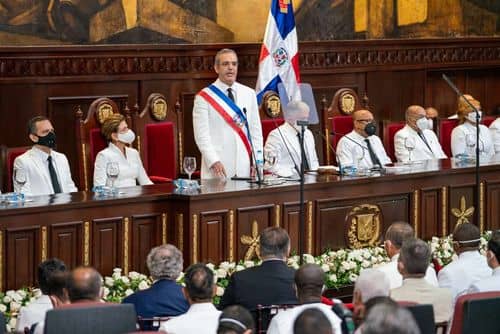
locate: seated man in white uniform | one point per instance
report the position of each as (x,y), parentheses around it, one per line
(361,147)
(463,137)
(417,131)
(284,142)
(130,169)
(491,283)
(41,170)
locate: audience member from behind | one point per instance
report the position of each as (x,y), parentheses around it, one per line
(371,303)
(270,283)
(52,281)
(235,320)
(419,130)
(202,316)
(491,283)
(387,318)
(412,263)
(84,287)
(312,321)
(164,298)
(394,237)
(371,283)
(470,266)
(309,281)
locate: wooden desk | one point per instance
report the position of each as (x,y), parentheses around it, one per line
(208,226)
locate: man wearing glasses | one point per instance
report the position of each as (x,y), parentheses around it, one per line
(361,147)
(226,122)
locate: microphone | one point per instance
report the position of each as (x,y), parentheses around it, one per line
(286,146)
(331,148)
(259,177)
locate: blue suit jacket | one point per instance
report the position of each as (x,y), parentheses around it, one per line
(164,298)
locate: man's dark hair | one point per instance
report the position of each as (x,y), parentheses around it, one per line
(386,318)
(309,279)
(399,232)
(199,281)
(58,284)
(45,271)
(467,235)
(312,321)
(274,241)
(415,255)
(84,288)
(32,123)
(494,244)
(235,319)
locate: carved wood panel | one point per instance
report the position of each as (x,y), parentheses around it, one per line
(493,206)
(454,198)
(430,217)
(107,244)
(146,234)
(23,249)
(262,215)
(214,236)
(66,242)
(291,223)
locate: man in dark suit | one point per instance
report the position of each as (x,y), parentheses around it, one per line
(270,283)
(164,298)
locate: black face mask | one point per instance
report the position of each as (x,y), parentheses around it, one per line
(370,129)
(48,140)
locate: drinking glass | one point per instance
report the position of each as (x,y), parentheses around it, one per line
(410,146)
(20,177)
(359,155)
(189,165)
(112,171)
(270,159)
(470,142)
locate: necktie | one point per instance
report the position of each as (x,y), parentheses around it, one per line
(53,176)
(421,135)
(230,94)
(373,156)
(306,163)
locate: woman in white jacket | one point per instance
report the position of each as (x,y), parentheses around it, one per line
(131,170)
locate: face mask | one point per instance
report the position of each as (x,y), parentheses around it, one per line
(127,137)
(370,129)
(472,116)
(422,124)
(49,140)
(431,123)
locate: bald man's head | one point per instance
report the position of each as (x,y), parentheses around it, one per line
(84,284)
(360,119)
(413,114)
(309,279)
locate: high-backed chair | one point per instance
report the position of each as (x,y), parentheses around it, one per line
(269,125)
(103,319)
(264,314)
(390,129)
(476,313)
(89,138)
(337,119)
(271,113)
(157,139)
(445,128)
(8,155)
(424,317)
(487,120)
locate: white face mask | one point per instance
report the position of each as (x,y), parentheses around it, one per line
(472,116)
(127,137)
(422,124)
(431,123)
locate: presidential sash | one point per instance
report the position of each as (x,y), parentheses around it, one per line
(230,112)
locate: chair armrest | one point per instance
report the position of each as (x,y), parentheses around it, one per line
(159,179)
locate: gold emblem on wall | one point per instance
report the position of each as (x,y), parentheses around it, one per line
(364,225)
(159,108)
(253,242)
(103,112)
(347,103)
(463,213)
(271,104)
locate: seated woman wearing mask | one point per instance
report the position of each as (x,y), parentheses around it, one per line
(131,171)
(283,142)
(463,137)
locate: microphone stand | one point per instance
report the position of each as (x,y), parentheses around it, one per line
(478,118)
(259,177)
(302,125)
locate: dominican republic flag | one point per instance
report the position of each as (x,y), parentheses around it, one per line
(279,56)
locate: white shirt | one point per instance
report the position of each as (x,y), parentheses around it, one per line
(491,283)
(36,166)
(495,134)
(199,318)
(130,164)
(33,313)
(461,273)
(346,150)
(288,151)
(458,142)
(282,323)
(396,280)
(217,141)
(421,150)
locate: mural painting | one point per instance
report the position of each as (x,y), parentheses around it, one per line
(44,22)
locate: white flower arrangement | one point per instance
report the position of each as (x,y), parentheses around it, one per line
(341,267)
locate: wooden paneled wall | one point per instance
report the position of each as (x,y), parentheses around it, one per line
(393,73)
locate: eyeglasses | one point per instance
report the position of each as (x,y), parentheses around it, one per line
(364,120)
(227,63)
